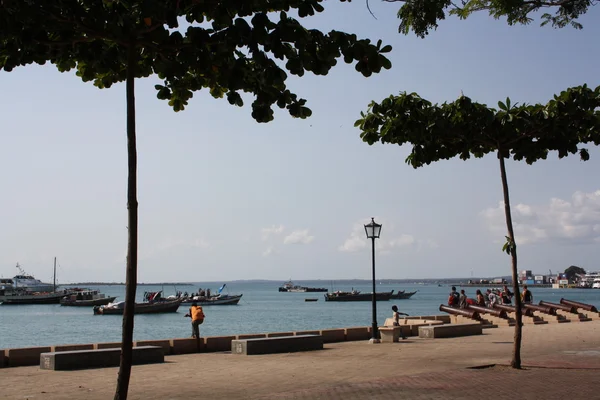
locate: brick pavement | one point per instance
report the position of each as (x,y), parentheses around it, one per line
(415,368)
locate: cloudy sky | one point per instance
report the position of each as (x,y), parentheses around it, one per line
(223,197)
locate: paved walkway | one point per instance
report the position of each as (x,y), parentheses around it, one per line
(561,359)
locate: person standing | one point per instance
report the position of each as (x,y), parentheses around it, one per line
(396,317)
(526,295)
(462,302)
(480,300)
(453,298)
(197,315)
(507,295)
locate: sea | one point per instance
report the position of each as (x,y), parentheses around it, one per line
(262,309)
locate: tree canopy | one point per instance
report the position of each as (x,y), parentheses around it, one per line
(573,271)
(226,46)
(465,128)
(422,16)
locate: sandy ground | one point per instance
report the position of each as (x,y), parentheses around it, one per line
(561,360)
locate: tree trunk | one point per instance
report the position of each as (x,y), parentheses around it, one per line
(132,222)
(516,359)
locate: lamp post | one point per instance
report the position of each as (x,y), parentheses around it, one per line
(373,229)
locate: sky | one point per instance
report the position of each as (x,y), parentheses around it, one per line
(222,197)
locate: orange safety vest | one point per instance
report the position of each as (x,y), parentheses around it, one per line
(196,313)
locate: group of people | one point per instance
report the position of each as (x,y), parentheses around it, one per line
(200,293)
(489,299)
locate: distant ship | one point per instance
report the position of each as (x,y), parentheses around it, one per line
(290,287)
(28,282)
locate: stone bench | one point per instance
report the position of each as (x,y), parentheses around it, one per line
(391,334)
(101,358)
(283,344)
(451,330)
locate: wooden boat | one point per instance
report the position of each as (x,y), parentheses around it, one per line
(86,298)
(311,299)
(356,295)
(219,300)
(24,297)
(140,308)
(403,295)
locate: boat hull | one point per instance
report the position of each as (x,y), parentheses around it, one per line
(380,296)
(228,301)
(53,298)
(87,303)
(141,308)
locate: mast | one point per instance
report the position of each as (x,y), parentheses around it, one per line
(54,282)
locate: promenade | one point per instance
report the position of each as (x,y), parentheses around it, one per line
(561,360)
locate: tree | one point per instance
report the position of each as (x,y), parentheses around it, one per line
(225,46)
(465,128)
(421,16)
(573,271)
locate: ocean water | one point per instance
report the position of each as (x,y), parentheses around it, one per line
(261,309)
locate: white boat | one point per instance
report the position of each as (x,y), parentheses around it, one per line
(596,284)
(28,282)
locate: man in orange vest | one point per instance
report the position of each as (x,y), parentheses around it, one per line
(197,315)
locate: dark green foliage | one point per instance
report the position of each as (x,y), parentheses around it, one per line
(465,128)
(225,46)
(573,271)
(421,16)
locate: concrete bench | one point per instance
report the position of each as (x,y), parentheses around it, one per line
(283,344)
(391,334)
(451,330)
(102,358)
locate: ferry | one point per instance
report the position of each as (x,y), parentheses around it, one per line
(29,283)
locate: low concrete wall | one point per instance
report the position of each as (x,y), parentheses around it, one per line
(333,335)
(358,333)
(112,345)
(218,343)
(165,344)
(251,336)
(187,346)
(3,359)
(25,356)
(72,347)
(279,334)
(302,333)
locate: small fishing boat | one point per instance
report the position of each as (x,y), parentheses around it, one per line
(356,295)
(86,298)
(403,295)
(218,300)
(140,308)
(311,299)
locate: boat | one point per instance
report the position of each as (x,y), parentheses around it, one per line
(29,283)
(596,284)
(403,295)
(356,295)
(157,307)
(19,296)
(86,298)
(218,300)
(32,292)
(290,287)
(311,299)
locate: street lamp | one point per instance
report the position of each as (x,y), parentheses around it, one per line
(373,229)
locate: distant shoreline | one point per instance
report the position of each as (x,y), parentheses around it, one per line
(336,282)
